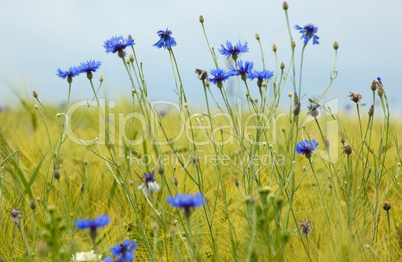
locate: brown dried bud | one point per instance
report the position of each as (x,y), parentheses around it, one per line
(202,74)
(386,206)
(347,149)
(343,140)
(355,97)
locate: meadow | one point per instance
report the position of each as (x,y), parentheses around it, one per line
(262,173)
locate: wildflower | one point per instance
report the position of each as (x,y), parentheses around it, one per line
(308,31)
(242,70)
(121,249)
(149,184)
(296,109)
(355,97)
(86,256)
(373,86)
(260,75)
(89,67)
(305,227)
(118,44)
(69,74)
(186,202)
(306,147)
(93,225)
(220,75)
(386,206)
(15,216)
(313,110)
(202,74)
(347,149)
(233,50)
(165,41)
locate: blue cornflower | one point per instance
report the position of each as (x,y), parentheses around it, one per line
(89,67)
(186,201)
(15,216)
(313,110)
(123,251)
(308,31)
(242,70)
(129,256)
(306,147)
(260,75)
(165,41)
(220,75)
(305,227)
(118,44)
(69,74)
(149,184)
(93,225)
(233,50)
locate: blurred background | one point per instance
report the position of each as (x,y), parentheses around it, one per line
(38,37)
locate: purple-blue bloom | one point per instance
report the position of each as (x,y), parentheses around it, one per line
(233,50)
(308,31)
(123,251)
(242,70)
(89,66)
(260,75)
(149,177)
(306,147)
(118,44)
(125,258)
(93,225)
(305,226)
(220,75)
(70,73)
(166,40)
(186,201)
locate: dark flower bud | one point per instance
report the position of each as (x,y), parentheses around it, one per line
(82,187)
(35,95)
(296,109)
(56,173)
(282,66)
(343,140)
(201,19)
(355,97)
(380,91)
(296,99)
(121,53)
(285,6)
(202,74)
(336,45)
(274,48)
(371,111)
(373,86)
(175,181)
(161,170)
(236,181)
(386,206)
(32,204)
(330,185)
(326,143)
(85,162)
(347,149)
(257,36)
(89,75)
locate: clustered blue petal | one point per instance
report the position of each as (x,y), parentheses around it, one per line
(118,43)
(241,70)
(305,226)
(308,31)
(98,222)
(166,40)
(122,252)
(89,66)
(71,72)
(306,147)
(186,201)
(260,75)
(220,75)
(233,50)
(149,177)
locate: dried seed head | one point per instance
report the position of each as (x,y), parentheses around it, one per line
(386,206)
(343,140)
(202,74)
(355,97)
(347,149)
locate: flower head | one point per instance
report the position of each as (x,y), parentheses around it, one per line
(86,256)
(313,110)
(89,67)
(305,227)
(202,74)
(166,40)
(118,44)
(122,251)
(69,74)
(355,97)
(186,201)
(233,50)
(308,31)
(93,225)
(242,70)
(149,184)
(15,215)
(306,147)
(260,75)
(220,75)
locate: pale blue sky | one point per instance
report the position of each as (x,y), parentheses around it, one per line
(39,36)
